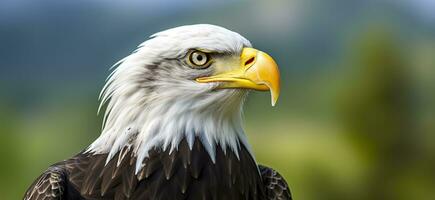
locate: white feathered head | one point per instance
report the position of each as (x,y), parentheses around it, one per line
(186,82)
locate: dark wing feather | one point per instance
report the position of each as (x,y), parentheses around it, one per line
(276,187)
(49,186)
(182,174)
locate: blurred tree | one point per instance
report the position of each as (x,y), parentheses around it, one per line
(377,110)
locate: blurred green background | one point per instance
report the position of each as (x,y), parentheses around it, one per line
(356,117)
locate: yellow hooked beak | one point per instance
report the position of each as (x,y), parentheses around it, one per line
(257,71)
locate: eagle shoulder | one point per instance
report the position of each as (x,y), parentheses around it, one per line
(49,186)
(276,187)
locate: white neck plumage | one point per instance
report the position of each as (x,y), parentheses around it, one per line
(162,120)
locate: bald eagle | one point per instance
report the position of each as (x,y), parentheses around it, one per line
(172,125)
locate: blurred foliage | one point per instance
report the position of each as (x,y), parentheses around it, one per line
(355,120)
(378,112)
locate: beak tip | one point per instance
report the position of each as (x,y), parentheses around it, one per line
(273,103)
(274,99)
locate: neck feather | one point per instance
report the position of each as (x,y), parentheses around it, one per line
(216,119)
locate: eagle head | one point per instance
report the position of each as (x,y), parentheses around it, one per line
(183,83)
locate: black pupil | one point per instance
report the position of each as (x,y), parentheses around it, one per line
(199,57)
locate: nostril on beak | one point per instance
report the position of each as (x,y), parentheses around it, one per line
(249,61)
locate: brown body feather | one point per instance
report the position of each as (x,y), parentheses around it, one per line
(181,174)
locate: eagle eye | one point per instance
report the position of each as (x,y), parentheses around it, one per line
(199,59)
